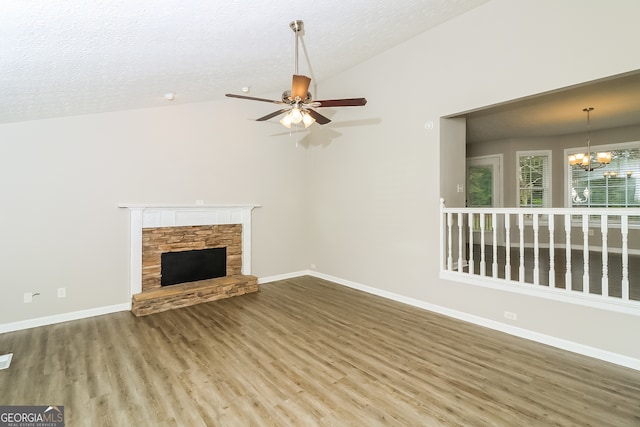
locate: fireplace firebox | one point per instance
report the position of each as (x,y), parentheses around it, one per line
(192,266)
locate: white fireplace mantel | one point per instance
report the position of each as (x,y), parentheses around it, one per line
(167,215)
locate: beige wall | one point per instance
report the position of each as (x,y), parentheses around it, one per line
(375,190)
(360,201)
(61,181)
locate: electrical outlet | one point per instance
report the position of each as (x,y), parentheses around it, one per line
(28,297)
(510,315)
(62,292)
(591,232)
(313,266)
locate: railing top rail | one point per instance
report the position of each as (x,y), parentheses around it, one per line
(544,211)
(548,211)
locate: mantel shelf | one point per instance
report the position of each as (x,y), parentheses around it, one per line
(184,206)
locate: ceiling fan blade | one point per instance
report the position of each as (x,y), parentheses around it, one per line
(300,86)
(275,113)
(347,102)
(252,98)
(320,119)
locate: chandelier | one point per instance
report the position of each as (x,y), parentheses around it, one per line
(587,160)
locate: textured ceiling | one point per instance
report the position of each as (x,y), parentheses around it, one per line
(69,57)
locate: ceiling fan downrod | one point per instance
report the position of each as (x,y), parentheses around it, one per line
(297,27)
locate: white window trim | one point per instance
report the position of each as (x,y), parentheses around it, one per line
(574,150)
(548,195)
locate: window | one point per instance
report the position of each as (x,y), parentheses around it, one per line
(616,185)
(534,179)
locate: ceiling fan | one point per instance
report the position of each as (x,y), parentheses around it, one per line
(299,103)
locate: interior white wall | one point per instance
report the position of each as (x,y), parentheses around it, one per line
(61,180)
(375,218)
(360,202)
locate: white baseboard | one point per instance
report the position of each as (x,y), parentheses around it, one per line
(263,280)
(64,317)
(563,344)
(560,343)
(82,314)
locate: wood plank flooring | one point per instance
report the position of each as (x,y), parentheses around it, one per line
(614,270)
(306,352)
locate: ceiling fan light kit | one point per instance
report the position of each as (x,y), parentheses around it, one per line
(299,103)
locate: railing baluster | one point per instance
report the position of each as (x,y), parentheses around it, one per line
(487,222)
(507,262)
(567,230)
(552,268)
(624,228)
(605,255)
(585,253)
(521,226)
(471,262)
(483,266)
(536,251)
(460,224)
(494,266)
(449,241)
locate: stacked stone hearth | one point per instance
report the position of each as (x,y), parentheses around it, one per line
(155,298)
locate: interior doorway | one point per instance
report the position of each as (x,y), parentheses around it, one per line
(484,181)
(484,190)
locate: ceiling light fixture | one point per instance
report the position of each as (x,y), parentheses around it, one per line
(586,160)
(299,105)
(297,113)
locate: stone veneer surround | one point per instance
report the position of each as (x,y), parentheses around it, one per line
(156,241)
(144,216)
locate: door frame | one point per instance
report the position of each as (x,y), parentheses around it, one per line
(497,161)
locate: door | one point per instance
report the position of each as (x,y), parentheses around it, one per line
(484,190)
(484,179)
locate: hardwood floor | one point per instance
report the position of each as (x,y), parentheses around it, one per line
(577,269)
(305,352)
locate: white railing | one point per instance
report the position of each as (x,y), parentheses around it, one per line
(578,254)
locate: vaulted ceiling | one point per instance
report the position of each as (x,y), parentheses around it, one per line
(71,57)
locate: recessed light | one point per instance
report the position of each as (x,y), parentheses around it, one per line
(246,89)
(169,96)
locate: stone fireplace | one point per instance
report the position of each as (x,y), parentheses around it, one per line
(159,230)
